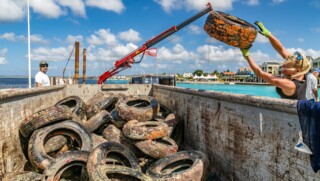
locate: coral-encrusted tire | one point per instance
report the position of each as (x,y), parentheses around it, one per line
(140,108)
(230,29)
(116,172)
(111,151)
(145,130)
(81,140)
(43,118)
(98,120)
(100,101)
(76,104)
(158,148)
(72,161)
(184,165)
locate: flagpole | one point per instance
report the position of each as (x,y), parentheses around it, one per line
(29,58)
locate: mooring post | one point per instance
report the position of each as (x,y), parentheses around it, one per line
(76,64)
(84,68)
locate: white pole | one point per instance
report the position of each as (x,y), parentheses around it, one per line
(29,58)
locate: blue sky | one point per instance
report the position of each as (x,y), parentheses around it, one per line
(109,29)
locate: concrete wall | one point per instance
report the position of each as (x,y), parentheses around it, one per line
(245,137)
(17,104)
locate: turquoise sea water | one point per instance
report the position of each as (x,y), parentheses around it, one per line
(256,90)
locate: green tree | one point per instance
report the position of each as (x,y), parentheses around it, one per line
(198,72)
(215,72)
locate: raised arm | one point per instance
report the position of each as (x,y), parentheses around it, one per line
(276,44)
(287,86)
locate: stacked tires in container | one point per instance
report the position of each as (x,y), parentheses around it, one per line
(109,137)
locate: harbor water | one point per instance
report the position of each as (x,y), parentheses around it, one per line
(255,90)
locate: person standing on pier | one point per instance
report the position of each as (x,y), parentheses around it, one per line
(294,68)
(41,77)
(312,85)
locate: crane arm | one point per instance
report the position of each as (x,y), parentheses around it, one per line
(126,61)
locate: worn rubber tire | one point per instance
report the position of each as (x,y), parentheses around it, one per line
(164,111)
(55,143)
(76,104)
(97,140)
(112,150)
(117,120)
(100,101)
(140,108)
(98,120)
(184,165)
(22,176)
(145,130)
(113,134)
(66,161)
(230,29)
(44,117)
(74,130)
(116,172)
(158,148)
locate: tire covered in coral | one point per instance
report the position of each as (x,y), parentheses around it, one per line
(230,29)
(111,151)
(69,166)
(79,139)
(76,104)
(184,165)
(140,108)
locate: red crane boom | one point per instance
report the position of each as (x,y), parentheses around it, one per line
(126,61)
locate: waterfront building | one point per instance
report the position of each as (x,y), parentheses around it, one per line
(187,74)
(245,74)
(315,62)
(272,67)
(228,76)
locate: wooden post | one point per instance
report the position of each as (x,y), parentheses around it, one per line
(84,68)
(76,64)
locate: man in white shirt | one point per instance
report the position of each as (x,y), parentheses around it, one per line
(312,85)
(41,77)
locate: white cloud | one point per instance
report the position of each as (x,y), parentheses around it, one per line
(253,2)
(77,6)
(72,39)
(175,39)
(176,55)
(8,36)
(50,54)
(12,37)
(111,55)
(110,5)
(261,39)
(195,29)
(47,8)
(278,1)
(38,39)
(170,5)
(11,10)
(3,54)
(130,36)
(102,37)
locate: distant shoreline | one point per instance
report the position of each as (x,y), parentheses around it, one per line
(242,83)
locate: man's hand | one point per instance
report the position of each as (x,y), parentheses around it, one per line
(263,30)
(245,51)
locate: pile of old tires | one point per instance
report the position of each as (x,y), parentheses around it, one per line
(110,137)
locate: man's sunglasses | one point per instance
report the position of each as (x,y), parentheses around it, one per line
(44,65)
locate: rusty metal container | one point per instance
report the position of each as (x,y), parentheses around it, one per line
(244,137)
